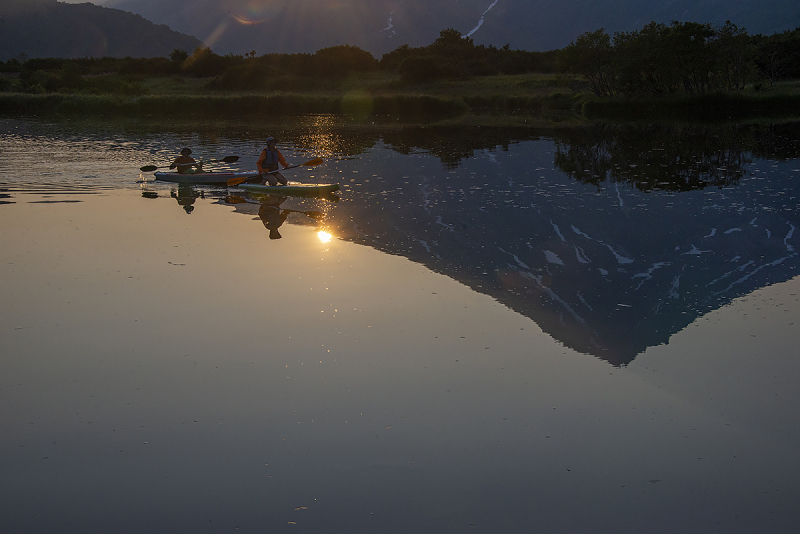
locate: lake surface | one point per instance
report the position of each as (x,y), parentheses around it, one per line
(485,330)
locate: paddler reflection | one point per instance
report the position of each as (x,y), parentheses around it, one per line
(272,215)
(186,196)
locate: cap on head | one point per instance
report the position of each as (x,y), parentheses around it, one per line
(271,140)
(186,151)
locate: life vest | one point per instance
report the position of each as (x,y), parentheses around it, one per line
(271,160)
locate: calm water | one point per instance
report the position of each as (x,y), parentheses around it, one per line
(485,330)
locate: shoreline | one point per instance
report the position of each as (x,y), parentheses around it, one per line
(410,107)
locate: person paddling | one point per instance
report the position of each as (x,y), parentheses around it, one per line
(268,162)
(185,162)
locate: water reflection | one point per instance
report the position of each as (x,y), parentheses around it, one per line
(648,157)
(609,261)
(186,195)
(273,210)
(133,351)
(611,238)
(271,214)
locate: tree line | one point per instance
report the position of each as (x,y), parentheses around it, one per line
(685,57)
(659,59)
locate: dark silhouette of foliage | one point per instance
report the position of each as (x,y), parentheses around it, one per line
(204,63)
(12,65)
(452,55)
(655,157)
(338,61)
(778,56)
(293,71)
(153,67)
(591,54)
(680,58)
(736,52)
(393,59)
(420,69)
(178,55)
(664,59)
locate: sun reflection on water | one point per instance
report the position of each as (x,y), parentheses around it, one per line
(324,237)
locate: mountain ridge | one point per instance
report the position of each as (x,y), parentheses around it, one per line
(380,26)
(47,28)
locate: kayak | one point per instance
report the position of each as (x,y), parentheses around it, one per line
(208,178)
(292,189)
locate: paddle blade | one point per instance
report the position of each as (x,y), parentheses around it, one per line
(313,162)
(237,181)
(233,199)
(230,159)
(148,168)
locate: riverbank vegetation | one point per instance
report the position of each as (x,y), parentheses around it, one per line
(682,69)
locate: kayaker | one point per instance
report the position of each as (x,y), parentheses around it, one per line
(269,160)
(185,162)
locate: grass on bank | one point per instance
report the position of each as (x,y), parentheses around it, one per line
(378,95)
(755,101)
(510,99)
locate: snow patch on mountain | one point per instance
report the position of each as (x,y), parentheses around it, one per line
(390,26)
(620,258)
(480,22)
(552,257)
(581,255)
(786,239)
(558,232)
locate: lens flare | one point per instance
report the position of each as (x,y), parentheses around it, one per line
(253,12)
(358,105)
(212,39)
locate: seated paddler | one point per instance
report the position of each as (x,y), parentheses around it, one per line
(269,162)
(185,162)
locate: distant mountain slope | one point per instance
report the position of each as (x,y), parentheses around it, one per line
(239,26)
(46,28)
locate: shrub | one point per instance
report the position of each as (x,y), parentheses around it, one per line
(12,65)
(392,60)
(204,63)
(243,78)
(157,66)
(420,69)
(178,56)
(338,61)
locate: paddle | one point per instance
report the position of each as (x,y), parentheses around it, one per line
(309,163)
(226,159)
(312,214)
(233,199)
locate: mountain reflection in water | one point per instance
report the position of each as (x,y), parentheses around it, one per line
(610,238)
